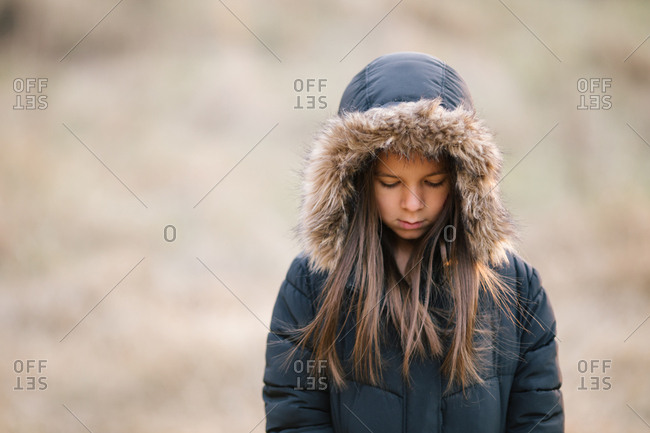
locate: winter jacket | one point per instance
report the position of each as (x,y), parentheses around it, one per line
(406,102)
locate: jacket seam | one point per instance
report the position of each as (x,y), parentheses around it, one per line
(537,390)
(444,79)
(297,289)
(541,346)
(365,90)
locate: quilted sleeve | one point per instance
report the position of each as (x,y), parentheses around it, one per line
(293,401)
(535,403)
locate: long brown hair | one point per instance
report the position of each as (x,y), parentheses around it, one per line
(381,296)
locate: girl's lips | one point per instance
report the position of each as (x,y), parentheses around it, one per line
(410,226)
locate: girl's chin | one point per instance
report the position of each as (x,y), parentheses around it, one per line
(408,235)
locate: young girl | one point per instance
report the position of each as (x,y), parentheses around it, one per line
(408,309)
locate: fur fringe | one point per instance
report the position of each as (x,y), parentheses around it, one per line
(349,142)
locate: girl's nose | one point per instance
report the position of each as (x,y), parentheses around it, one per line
(412,199)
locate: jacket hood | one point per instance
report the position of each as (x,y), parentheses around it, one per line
(404,103)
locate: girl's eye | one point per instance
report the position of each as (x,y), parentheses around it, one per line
(431,184)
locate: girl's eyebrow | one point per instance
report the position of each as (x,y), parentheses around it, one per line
(384,174)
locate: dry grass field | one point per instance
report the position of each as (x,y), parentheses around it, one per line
(146,212)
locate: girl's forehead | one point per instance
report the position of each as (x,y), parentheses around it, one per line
(395,160)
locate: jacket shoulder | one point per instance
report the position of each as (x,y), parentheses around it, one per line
(521,276)
(306,281)
(295,305)
(534,312)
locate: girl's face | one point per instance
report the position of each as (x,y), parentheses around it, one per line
(409,194)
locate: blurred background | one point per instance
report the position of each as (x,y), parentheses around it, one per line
(149,160)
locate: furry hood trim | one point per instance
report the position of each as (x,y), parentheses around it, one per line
(350,141)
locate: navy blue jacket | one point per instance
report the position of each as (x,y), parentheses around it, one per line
(520,394)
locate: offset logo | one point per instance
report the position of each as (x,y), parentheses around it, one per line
(29,93)
(309,93)
(29,375)
(310,383)
(594,376)
(593,93)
